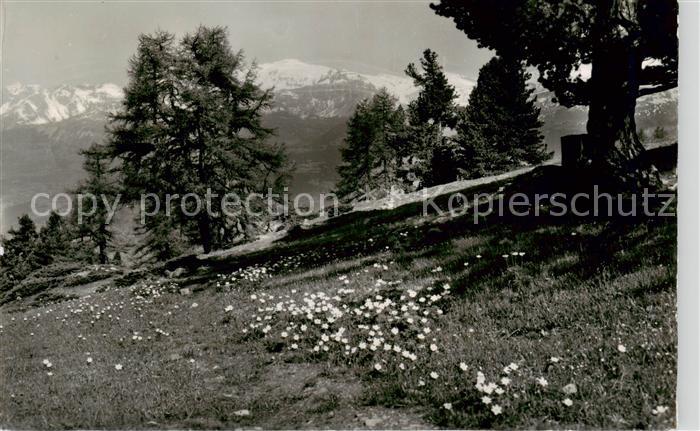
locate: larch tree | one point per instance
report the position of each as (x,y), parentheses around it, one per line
(99,190)
(19,256)
(139,137)
(373,145)
(191,123)
(388,121)
(355,169)
(55,239)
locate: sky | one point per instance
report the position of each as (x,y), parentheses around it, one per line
(76,42)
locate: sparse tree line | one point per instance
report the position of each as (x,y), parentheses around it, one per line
(434,141)
(191,121)
(63,238)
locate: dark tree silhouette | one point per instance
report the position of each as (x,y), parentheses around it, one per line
(428,115)
(99,189)
(499,128)
(19,250)
(614,36)
(55,239)
(191,123)
(373,146)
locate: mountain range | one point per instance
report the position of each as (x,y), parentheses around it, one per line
(43,129)
(301,89)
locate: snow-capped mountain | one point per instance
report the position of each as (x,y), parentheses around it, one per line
(43,129)
(301,89)
(310,90)
(32,104)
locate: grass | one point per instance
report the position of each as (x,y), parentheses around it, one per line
(586,303)
(57,275)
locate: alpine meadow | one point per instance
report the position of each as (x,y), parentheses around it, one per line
(352,215)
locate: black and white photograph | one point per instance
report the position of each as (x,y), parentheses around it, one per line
(446,214)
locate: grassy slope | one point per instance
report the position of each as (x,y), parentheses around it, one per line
(562,312)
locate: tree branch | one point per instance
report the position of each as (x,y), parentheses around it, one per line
(657,89)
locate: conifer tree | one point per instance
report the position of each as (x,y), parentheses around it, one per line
(373,145)
(436,100)
(191,122)
(388,121)
(429,114)
(19,256)
(499,128)
(356,167)
(117,259)
(614,37)
(99,190)
(55,239)
(163,238)
(444,164)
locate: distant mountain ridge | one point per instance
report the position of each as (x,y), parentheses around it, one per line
(43,129)
(318,91)
(302,89)
(32,104)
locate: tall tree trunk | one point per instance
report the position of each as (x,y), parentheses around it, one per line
(102,244)
(616,154)
(205,232)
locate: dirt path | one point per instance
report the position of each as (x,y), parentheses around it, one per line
(298,395)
